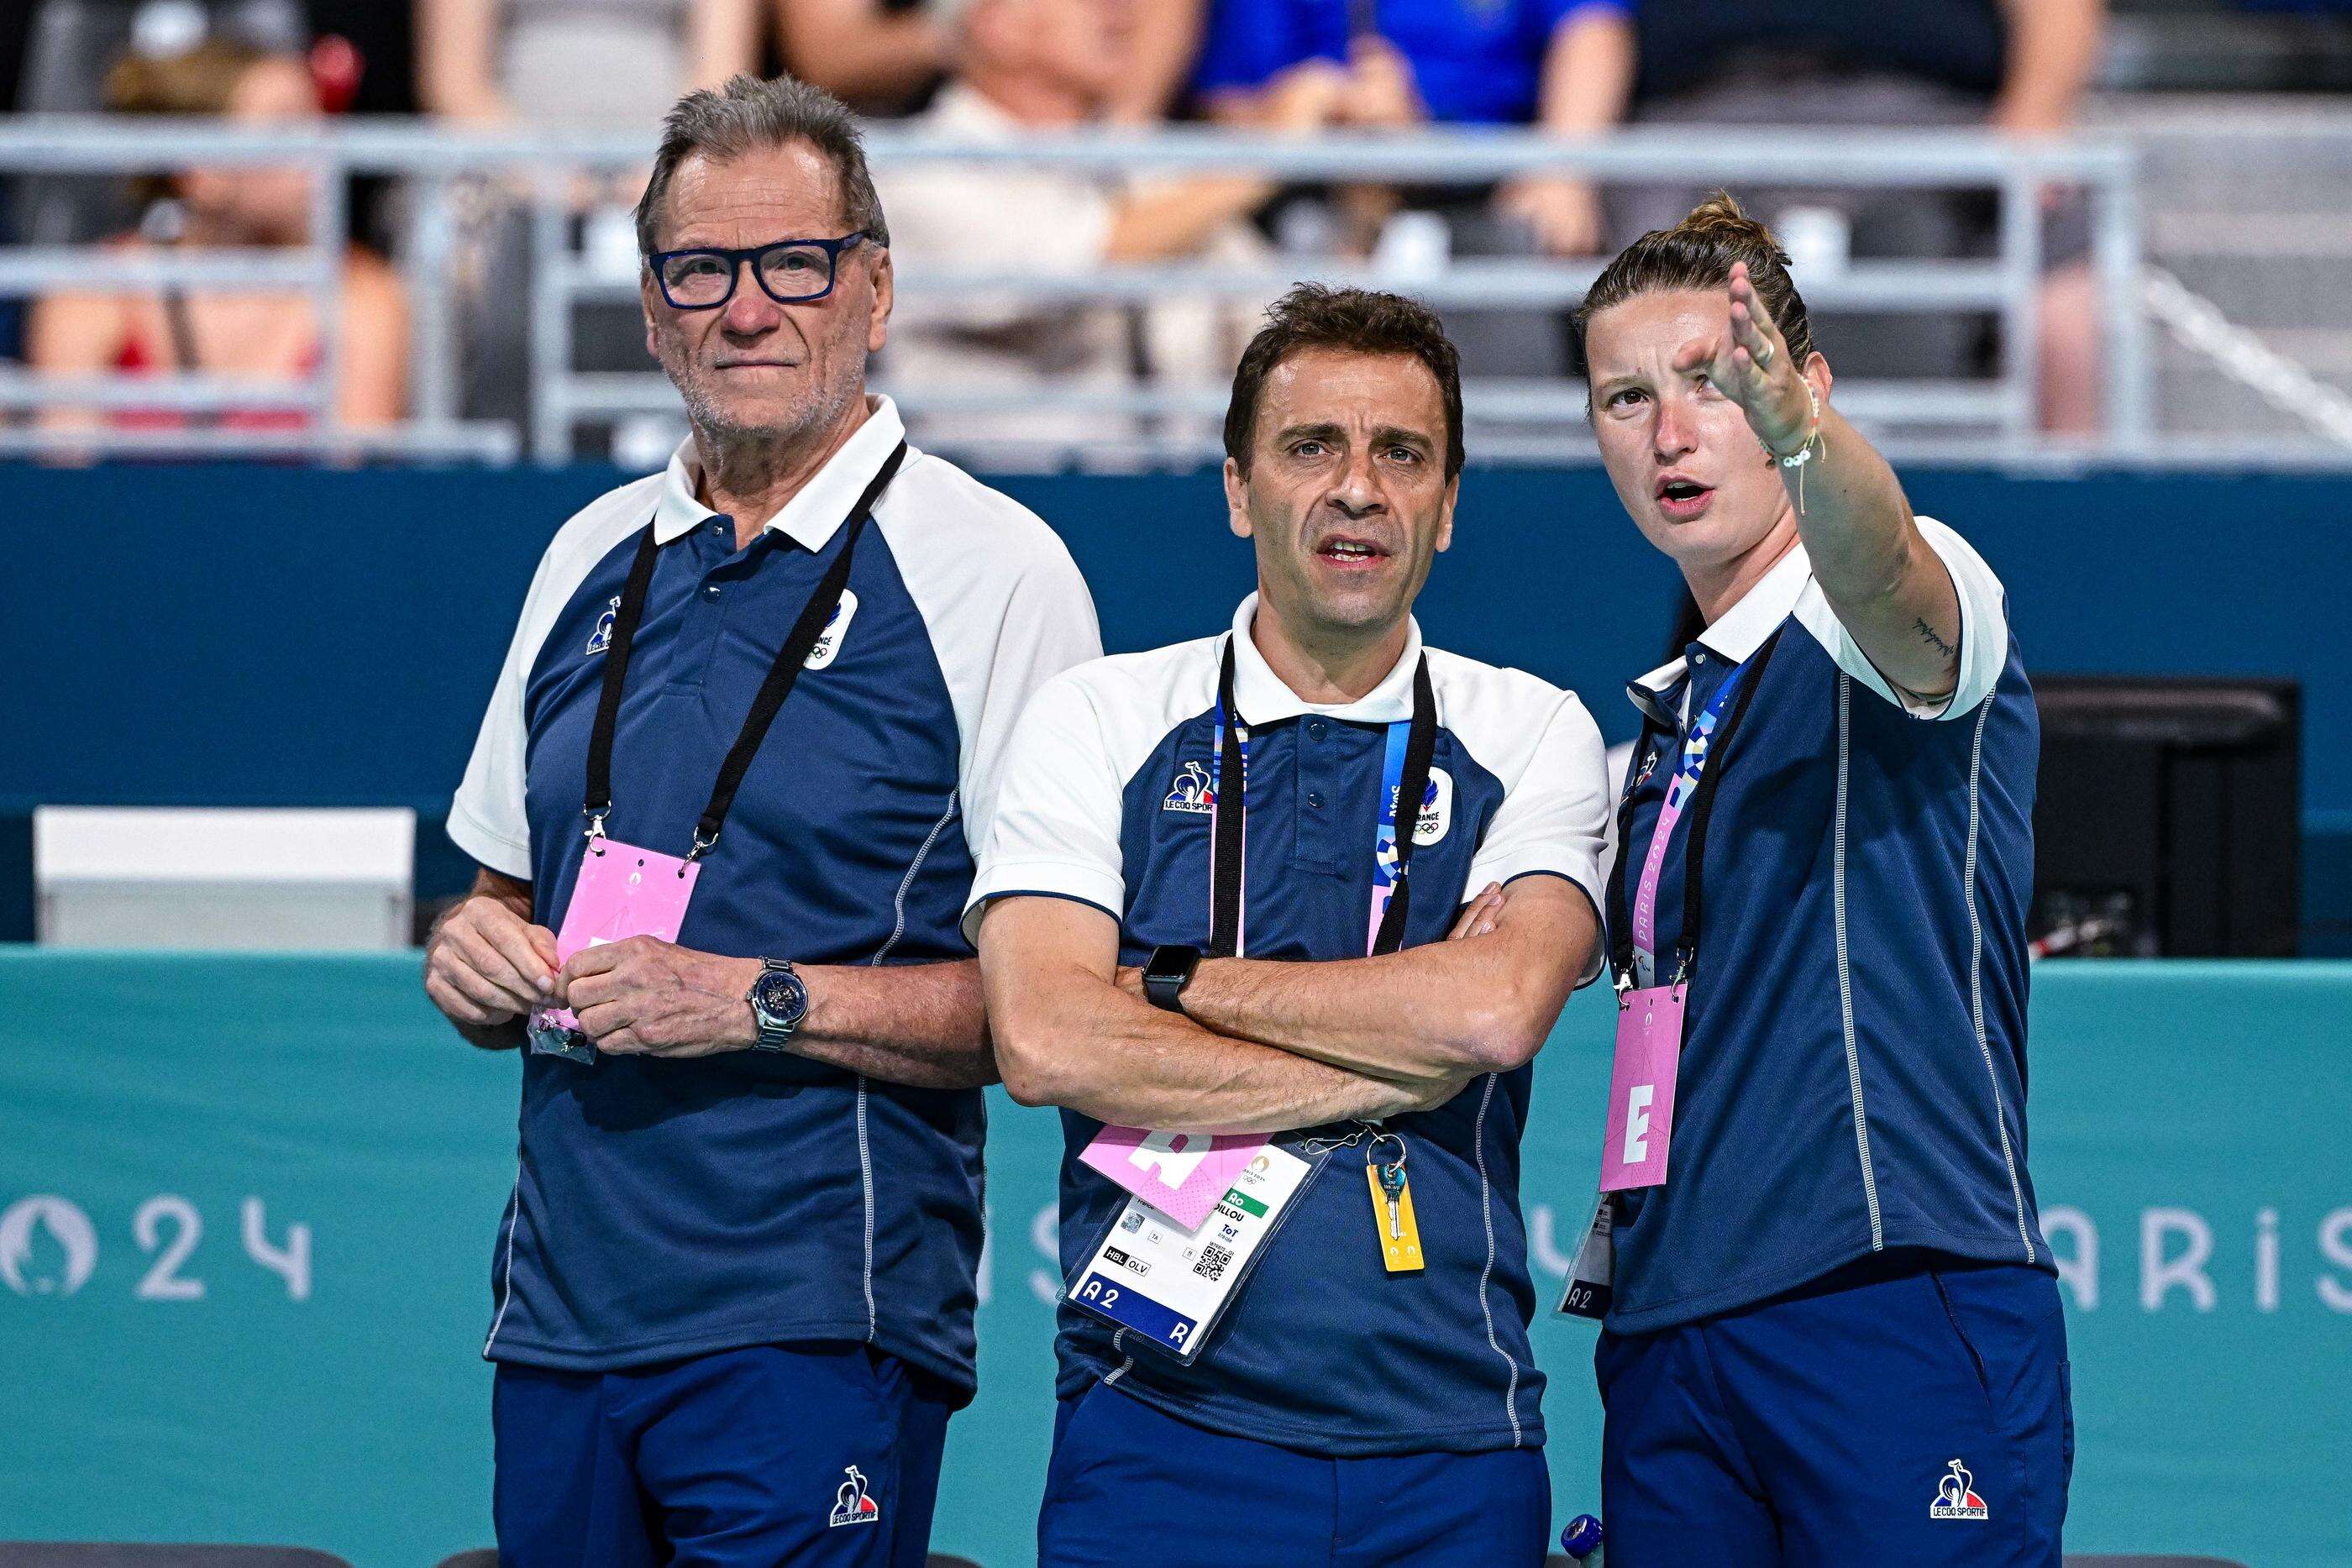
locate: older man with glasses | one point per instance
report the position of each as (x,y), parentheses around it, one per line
(726,802)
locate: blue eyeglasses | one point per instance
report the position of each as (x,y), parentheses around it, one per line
(791,271)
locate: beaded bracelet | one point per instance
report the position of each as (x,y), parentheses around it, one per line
(1806,451)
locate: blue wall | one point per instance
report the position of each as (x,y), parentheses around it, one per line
(280,635)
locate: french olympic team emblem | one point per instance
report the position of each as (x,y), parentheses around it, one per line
(851,1505)
(601,638)
(828,641)
(1955,1496)
(1437,809)
(1193,791)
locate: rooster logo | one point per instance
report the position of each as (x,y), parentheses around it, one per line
(851,1505)
(1193,792)
(1955,1496)
(601,638)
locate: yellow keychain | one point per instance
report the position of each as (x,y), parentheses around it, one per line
(1393,1215)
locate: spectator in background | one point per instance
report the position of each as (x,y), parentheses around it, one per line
(261,333)
(1560,64)
(1028,66)
(2020,66)
(882,56)
(877,55)
(577,63)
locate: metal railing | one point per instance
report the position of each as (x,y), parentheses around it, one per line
(438,169)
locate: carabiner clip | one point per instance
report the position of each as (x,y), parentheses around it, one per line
(595,832)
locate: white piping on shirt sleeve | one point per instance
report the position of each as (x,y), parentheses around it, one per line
(1984,631)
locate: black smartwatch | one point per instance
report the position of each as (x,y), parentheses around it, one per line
(1167,974)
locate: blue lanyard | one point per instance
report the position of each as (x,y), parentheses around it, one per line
(1679,792)
(1635,952)
(1404,766)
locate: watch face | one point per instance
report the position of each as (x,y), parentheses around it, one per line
(779,997)
(1171,966)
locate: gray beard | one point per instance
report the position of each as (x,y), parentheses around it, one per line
(740,456)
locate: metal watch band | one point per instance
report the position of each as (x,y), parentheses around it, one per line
(774,1033)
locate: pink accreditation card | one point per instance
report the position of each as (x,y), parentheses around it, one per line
(1182,1174)
(621,891)
(1641,1088)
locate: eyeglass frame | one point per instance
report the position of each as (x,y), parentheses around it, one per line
(834,250)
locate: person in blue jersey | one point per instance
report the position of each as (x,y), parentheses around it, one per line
(727,800)
(1831,1311)
(1214,913)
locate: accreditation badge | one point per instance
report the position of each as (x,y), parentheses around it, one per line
(1592,1283)
(1167,1283)
(620,892)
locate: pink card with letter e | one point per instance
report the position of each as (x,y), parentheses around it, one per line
(1182,1174)
(621,891)
(1641,1088)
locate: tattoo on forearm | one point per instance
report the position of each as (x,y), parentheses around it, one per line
(1928,635)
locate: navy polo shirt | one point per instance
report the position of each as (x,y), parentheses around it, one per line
(1475,62)
(1107,800)
(667,1208)
(1853,1054)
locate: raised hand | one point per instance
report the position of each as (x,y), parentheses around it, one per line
(1751,365)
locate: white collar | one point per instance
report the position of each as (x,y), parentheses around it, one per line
(1264,698)
(1735,634)
(813,516)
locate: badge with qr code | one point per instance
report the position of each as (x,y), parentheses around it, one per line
(1168,1285)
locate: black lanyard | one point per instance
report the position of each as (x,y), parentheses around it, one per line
(1226,849)
(1702,811)
(790,660)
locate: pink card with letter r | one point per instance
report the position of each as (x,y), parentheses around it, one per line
(620,892)
(1641,1089)
(1182,1174)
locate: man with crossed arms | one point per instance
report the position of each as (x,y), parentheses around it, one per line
(1335,1384)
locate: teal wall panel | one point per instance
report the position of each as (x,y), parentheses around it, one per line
(246,1206)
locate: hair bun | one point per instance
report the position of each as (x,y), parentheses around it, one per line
(1721,221)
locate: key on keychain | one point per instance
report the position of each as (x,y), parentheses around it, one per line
(1392,1189)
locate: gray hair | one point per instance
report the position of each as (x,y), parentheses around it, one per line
(748,115)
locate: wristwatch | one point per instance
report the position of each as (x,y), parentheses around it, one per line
(779,999)
(1169,971)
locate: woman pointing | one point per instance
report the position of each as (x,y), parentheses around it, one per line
(1833,1333)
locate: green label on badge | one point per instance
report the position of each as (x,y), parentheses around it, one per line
(1246,1204)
